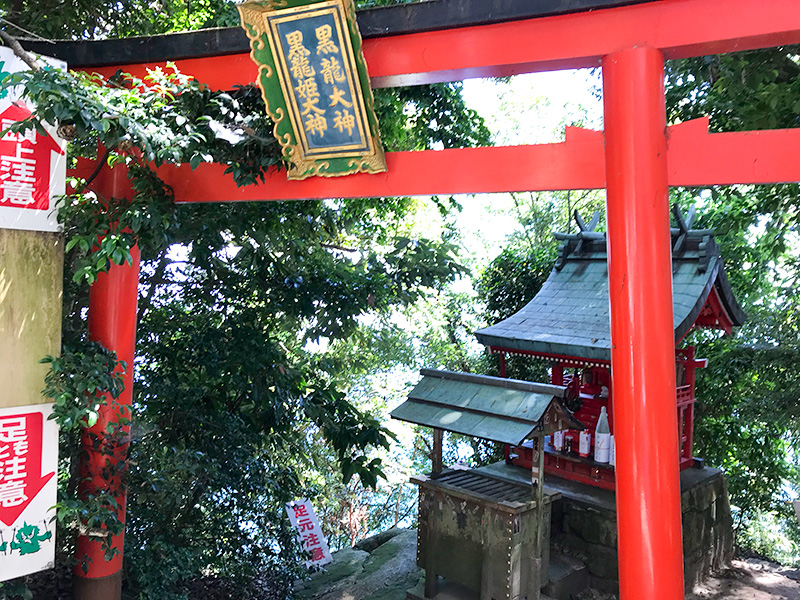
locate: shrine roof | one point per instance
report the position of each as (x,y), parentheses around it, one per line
(492,408)
(570,314)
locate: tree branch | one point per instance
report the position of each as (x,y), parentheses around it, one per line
(338,247)
(96,171)
(24,55)
(17,6)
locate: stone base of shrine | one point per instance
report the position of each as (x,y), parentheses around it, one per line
(585,526)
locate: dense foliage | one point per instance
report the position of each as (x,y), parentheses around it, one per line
(95,19)
(246,315)
(256,320)
(749,397)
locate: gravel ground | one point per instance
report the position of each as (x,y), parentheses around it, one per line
(751,579)
(385,571)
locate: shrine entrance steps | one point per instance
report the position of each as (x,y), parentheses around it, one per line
(447,590)
(567,576)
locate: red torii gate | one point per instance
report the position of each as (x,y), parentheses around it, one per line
(636,159)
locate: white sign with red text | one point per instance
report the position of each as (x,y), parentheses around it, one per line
(28,464)
(304,520)
(33,167)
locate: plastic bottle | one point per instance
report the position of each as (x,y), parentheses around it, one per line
(602,438)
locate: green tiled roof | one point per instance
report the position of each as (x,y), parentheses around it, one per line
(492,408)
(570,314)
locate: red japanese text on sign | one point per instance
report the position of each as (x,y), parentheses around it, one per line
(28,446)
(304,520)
(305,525)
(20,463)
(13,461)
(317,554)
(25,161)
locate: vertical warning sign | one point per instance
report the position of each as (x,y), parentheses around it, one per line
(28,463)
(304,520)
(32,165)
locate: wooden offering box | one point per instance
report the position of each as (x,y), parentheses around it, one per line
(482,532)
(567,324)
(478,529)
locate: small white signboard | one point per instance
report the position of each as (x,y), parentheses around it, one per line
(304,520)
(33,167)
(28,464)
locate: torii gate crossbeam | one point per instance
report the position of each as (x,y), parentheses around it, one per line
(636,160)
(679,28)
(578,163)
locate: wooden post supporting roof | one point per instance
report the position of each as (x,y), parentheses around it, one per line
(625,39)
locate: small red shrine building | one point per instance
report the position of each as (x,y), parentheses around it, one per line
(567,324)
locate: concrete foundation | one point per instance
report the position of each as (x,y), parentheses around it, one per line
(584,526)
(31,265)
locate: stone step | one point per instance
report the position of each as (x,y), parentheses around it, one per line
(451,591)
(567,577)
(445,590)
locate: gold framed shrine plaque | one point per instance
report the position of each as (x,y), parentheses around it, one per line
(315,85)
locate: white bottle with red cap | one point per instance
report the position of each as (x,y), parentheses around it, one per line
(584,443)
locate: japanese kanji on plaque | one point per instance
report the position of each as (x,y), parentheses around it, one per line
(304,520)
(28,463)
(32,166)
(315,85)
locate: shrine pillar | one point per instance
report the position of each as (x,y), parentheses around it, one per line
(104,461)
(642,334)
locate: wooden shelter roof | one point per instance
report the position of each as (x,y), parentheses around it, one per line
(491,408)
(570,314)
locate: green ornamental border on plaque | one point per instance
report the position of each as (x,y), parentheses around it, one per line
(315,85)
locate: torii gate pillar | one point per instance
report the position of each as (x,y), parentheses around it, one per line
(642,344)
(103,468)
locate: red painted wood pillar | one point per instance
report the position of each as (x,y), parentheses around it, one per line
(112,322)
(642,334)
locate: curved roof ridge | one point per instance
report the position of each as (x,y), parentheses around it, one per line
(570,314)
